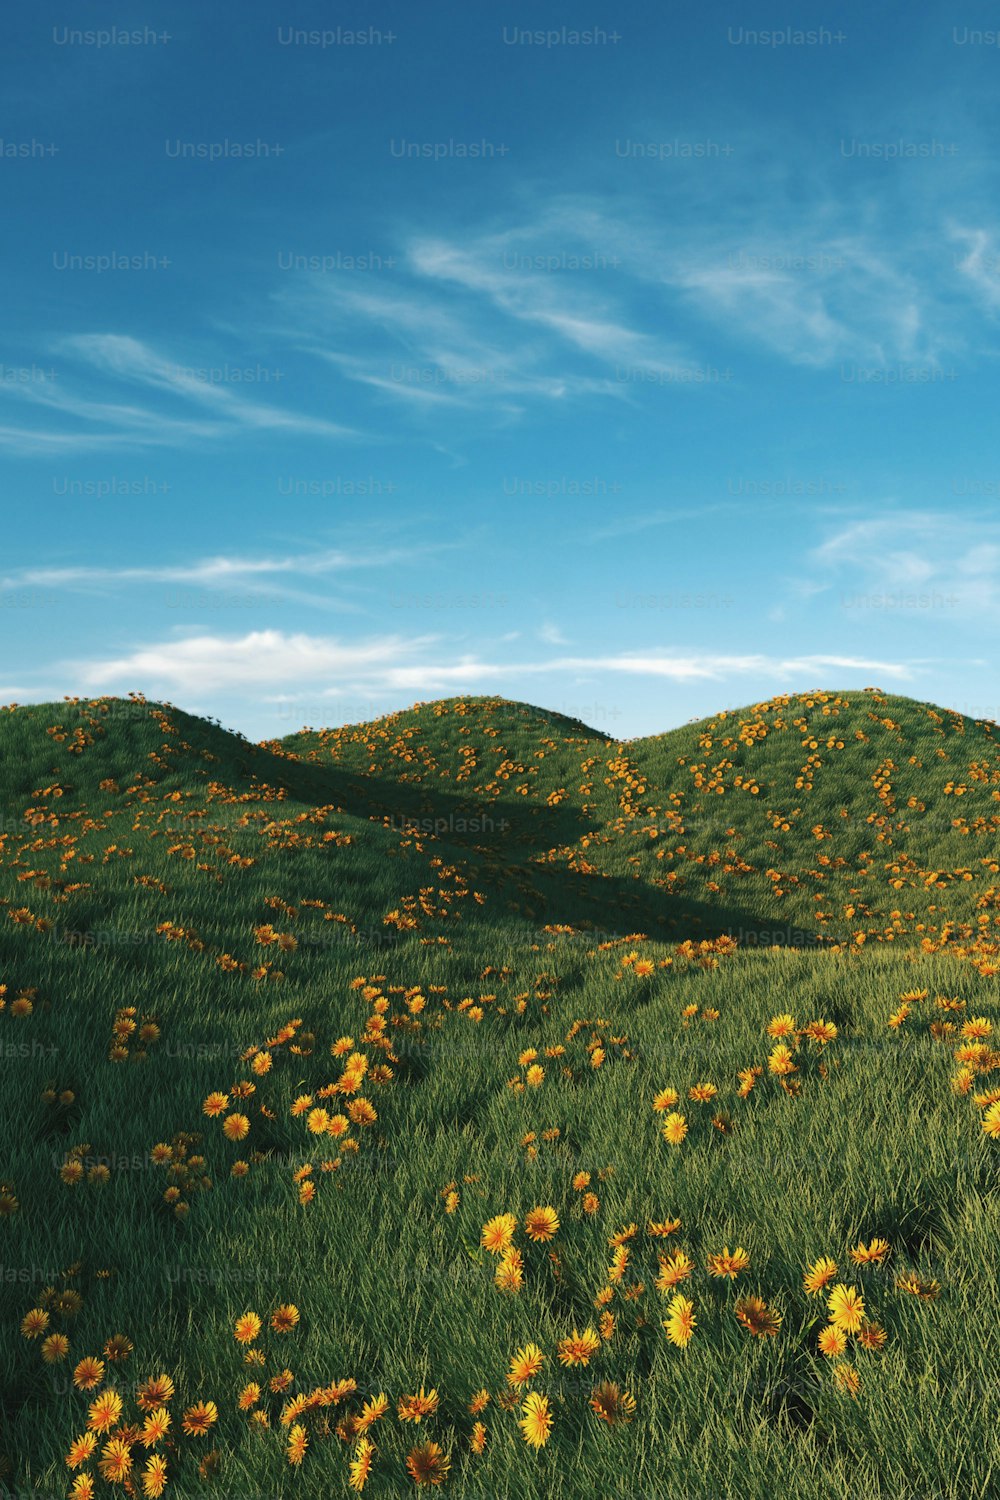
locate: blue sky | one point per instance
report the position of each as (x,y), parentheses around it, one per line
(634,375)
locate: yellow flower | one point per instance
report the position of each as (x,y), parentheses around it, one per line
(819,1274)
(541,1224)
(247,1328)
(757,1318)
(674,1129)
(34,1323)
(298,1442)
(832,1341)
(673,1269)
(847,1308)
(680,1322)
(81,1450)
(611,1405)
(361,1464)
(863,1254)
(578,1348)
(726,1264)
(155,1427)
(412,1408)
(199,1418)
(536,1424)
(525,1365)
(428,1464)
(116,1461)
(847,1378)
(154,1477)
(498,1233)
(871,1336)
(285,1317)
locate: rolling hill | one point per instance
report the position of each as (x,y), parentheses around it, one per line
(469,1098)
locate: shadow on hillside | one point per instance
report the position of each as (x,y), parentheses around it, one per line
(498,838)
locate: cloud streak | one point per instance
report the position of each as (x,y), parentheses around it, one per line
(272,660)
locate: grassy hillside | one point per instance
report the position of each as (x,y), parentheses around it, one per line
(288,1031)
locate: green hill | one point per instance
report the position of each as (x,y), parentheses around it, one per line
(299,1039)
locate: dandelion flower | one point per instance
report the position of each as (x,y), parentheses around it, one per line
(81,1450)
(536,1424)
(910,1282)
(154,1476)
(104,1411)
(423,1404)
(847,1378)
(872,1336)
(372,1410)
(819,1274)
(88,1374)
(155,1393)
(525,1365)
(115,1462)
(847,1308)
(876,1252)
(726,1264)
(674,1128)
(578,1348)
(428,1464)
(285,1317)
(665,1099)
(155,1427)
(498,1233)
(612,1405)
(236,1127)
(757,1318)
(247,1328)
(832,1341)
(681,1321)
(361,1464)
(34,1323)
(298,1442)
(55,1348)
(541,1224)
(780,1061)
(673,1268)
(199,1418)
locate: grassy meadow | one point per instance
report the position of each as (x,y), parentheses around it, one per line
(469,1103)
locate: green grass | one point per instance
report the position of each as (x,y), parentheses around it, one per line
(394,1290)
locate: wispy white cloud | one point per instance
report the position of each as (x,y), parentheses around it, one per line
(220,572)
(917,553)
(272,660)
(262,659)
(980,265)
(220,410)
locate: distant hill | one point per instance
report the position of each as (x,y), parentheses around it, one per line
(815,817)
